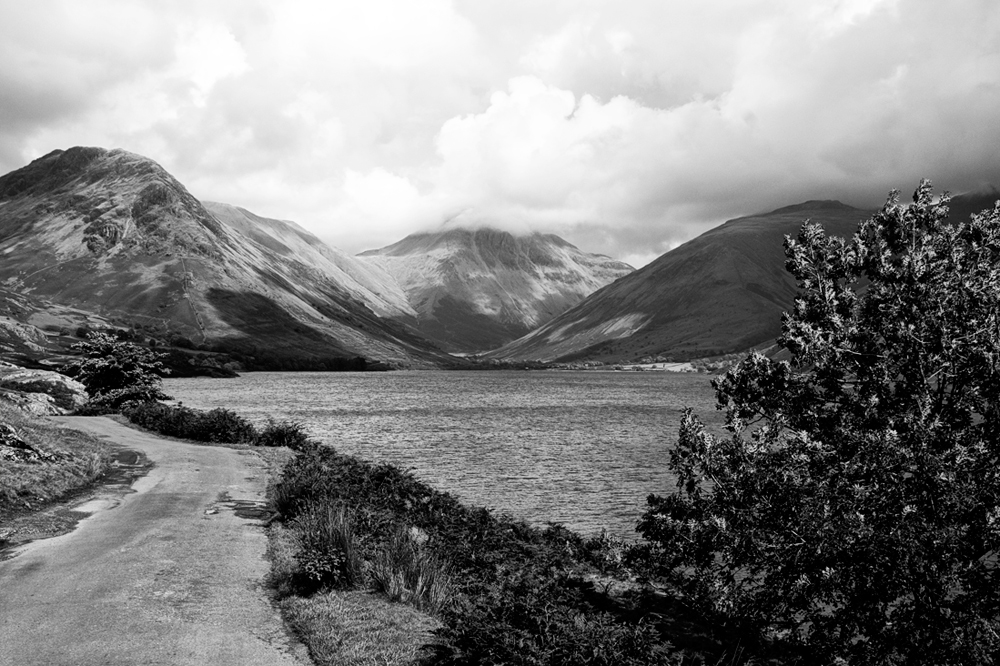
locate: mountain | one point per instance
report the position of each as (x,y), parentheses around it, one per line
(477,289)
(962,206)
(112,233)
(721,292)
(375,288)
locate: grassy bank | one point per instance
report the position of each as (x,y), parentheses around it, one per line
(78,461)
(501,591)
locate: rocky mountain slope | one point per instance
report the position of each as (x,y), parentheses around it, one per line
(721,292)
(111,232)
(477,289)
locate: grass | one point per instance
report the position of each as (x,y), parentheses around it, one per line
(353,627)
(81,460)
(344,627)
(404,570)
(503,591)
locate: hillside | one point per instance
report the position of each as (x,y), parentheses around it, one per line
(112,233)
(721,292)
(477,289)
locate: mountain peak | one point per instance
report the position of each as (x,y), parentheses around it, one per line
(112,233)
(813,204)
(476,288)
(60,168)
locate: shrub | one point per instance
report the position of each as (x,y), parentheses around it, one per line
(282,433)
(850,514)
(115,372)
(328,555)
(222,425)
(218,425)
(524,619)
(181,341)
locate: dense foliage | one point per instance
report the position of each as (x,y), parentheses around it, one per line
(115,371)
(218,425)
(852,513)
(515,594)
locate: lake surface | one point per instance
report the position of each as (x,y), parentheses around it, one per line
(579,448)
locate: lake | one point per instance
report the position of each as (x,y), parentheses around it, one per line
(579,448)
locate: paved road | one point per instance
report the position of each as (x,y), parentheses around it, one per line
(167,574)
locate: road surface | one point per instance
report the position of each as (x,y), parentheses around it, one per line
(166,574)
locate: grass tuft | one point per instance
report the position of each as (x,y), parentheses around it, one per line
(405,570)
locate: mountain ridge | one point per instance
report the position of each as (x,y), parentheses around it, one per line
(474,289)
(113,232)
(721,292)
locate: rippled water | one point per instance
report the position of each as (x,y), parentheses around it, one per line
(580,448)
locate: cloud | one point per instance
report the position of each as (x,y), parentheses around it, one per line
(626,126)
(848,102)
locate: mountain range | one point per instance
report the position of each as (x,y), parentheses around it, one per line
(722,292)
(110,238)
(719,293)
(474,290)
(112,233)
(95,238)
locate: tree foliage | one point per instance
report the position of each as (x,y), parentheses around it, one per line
(116,372)
(851,514)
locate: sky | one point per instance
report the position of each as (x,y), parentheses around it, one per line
(625,126)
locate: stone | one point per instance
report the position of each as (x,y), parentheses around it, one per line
(67,393)
(36,404)
(15,449)
(16,333)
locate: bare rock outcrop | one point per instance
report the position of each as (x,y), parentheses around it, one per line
(17,334)
(36,404)
(66,393)
(15,449)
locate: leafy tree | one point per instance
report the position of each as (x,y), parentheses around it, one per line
(115,371)
(851,514)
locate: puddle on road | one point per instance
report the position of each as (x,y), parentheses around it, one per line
(63,516)
(247,509)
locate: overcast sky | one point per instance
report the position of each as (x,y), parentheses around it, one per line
(626,126)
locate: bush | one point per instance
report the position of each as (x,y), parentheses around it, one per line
(115,372)
(525,619)
(328,555)
(850,514)
(181,341)
(282,433)
(218,425)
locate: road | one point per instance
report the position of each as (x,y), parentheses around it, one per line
(165,574)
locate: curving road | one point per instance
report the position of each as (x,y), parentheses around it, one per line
(166,574)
